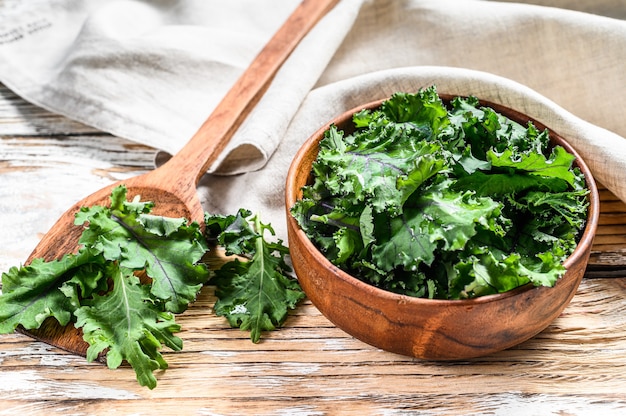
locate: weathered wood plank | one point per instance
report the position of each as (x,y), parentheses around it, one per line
(22,118)
(515,404)
(571,366)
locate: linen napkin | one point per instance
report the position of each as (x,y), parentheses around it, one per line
(153,71)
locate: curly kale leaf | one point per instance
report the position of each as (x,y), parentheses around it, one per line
(489,271)
(482,129)
(130,323)
(381,173)
(439,219)
(256,294)
(32,293)
(557,166)
(167,248)
(235,233)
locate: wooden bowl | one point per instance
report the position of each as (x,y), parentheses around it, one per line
(426,328)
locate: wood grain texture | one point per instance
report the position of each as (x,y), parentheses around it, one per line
(310,367)
(574,367)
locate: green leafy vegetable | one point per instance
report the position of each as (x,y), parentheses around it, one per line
(130,319)
(167,248)
(98,290)
(130,323)
(442,202)
(32,293)
(255,294)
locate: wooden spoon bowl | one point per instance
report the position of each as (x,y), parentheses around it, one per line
(425,328)
(172,187)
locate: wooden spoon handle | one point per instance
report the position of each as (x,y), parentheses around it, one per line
(208,142)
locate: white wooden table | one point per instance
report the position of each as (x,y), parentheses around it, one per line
(577,366)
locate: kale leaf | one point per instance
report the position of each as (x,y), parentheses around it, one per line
(255,294)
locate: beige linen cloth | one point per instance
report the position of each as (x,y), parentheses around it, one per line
(152,71)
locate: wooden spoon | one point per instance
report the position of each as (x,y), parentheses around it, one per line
(173,185)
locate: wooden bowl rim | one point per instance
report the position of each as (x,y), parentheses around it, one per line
(584,243)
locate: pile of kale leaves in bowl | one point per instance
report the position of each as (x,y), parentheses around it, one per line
(443,201)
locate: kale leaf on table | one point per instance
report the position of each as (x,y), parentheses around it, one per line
(439,202)
(257,292)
